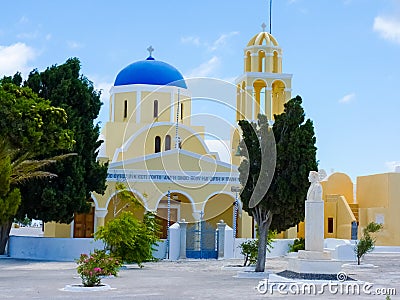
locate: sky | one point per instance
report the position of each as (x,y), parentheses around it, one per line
(344,56)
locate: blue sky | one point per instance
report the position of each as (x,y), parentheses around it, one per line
(344,56)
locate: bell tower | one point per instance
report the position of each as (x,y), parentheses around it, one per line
(262,88)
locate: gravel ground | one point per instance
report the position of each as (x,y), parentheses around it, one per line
(185,279)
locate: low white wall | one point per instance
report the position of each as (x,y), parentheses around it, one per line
(60,249)
(386,249)
(280,247)
(160,249)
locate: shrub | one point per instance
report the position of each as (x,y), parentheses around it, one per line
(250,248)
(298,244)
(130,239)
(94,266)
(366,243)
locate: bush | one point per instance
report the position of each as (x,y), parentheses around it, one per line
(130,239)
(250,248)
(366,243)
(94,266)
(298,244)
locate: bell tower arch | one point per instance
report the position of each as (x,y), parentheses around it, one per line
(262,88)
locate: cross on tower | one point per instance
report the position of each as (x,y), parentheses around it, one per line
(150,49)
(263,26)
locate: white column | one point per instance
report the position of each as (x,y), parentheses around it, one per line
(314,231)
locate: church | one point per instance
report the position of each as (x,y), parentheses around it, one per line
(153,148)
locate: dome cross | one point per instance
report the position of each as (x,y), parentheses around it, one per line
(150,49)
(263,26)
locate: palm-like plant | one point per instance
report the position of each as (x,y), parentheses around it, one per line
(15,169)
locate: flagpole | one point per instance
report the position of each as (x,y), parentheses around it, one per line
(270,16)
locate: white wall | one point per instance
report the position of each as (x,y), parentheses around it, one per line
(60,249)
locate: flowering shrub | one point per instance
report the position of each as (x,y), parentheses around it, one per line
(93,267)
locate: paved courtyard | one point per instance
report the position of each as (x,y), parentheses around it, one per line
(186,279)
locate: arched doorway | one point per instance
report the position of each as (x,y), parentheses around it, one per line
(116,206)
(220,207)
(180,208)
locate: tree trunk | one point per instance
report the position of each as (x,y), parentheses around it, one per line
(5,229)
(262,246)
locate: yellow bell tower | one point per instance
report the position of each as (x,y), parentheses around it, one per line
(262,87)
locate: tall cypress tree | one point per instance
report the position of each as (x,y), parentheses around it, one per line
(59,198)
(274,191)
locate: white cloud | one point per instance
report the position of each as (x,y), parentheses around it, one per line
(74,44)
(391,165)
(28,35)
(194,40)
(15,58)
(104,87)
(388,28)
(23,20)
(221,40)
(347,98)
(215,45)
(205,69)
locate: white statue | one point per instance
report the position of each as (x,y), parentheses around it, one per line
(315,190)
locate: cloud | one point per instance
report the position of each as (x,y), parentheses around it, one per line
(74,44)
(221,40)
(388,28)
(23,20)
(15,58)
(391,165)
(205,69)
(348,98)
(194,40)
(28,35)
(104,87)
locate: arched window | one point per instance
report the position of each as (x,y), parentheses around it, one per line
(262,61)
(125,109)
(275,63)
(248,62)
(157,144)
(155,109)
(167,142)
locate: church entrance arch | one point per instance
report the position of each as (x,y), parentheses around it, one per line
(117,205)
(180,207)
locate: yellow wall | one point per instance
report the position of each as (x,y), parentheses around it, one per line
(378,197)
(53,229)
(338,184)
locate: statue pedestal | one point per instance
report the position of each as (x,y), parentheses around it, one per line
(311,262)
(314,231)
(314,259)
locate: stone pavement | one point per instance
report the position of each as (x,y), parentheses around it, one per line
(185,279)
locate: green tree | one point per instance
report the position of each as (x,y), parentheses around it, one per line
(366,243)
(29,126)
(126,237)
(274,170)
(59,198)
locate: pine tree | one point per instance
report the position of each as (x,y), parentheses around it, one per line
(274,170)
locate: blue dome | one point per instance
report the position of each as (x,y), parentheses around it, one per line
(150,71)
